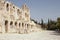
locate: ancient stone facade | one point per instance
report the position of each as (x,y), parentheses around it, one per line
(14,19)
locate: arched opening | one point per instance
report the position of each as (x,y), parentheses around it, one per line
(15,23)
(19,24)
(22,24)
(6,26)
(11,24)
(7,6)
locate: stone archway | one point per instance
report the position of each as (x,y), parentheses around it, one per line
(15,23)
(22,24)
(11,24)
(6,26)
(19,24)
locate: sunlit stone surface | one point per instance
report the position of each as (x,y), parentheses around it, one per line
(43,35)
(14,19)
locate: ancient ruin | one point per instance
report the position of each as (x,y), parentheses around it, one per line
(14,19)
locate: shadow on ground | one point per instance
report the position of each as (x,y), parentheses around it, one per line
(57,33)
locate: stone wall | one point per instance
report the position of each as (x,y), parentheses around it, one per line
(14,19)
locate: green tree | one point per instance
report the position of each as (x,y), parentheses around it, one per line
(58,23)
(48,24)
(51,25)
(42,23)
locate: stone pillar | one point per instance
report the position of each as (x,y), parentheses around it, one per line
(9,27)
(14,27)
(29,28)
(24,28)
(0,29)
(3,27)
(17,27)
(21,28)
(0,25)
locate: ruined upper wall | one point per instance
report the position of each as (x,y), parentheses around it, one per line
(25,8)
(14,11)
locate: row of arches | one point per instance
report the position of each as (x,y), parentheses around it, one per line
(16,24)
(11,23)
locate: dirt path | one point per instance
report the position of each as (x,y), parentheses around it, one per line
(44,35)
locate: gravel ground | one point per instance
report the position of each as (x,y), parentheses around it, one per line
(43,35)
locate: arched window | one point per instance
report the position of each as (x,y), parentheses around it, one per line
(6,22)
(7,6)
(11,23)
(6,26)
(15,23)
(18,12)
(14,7)
(22,24)
(19,24)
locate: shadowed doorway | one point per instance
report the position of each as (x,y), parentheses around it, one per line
(6,26)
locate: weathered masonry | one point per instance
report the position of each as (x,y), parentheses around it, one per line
(14,19)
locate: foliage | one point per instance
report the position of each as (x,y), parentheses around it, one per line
(58,23)
(42,23)
(51,25)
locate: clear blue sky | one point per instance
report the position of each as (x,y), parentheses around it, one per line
(41,8)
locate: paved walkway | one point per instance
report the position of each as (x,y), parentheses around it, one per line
(44,35)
